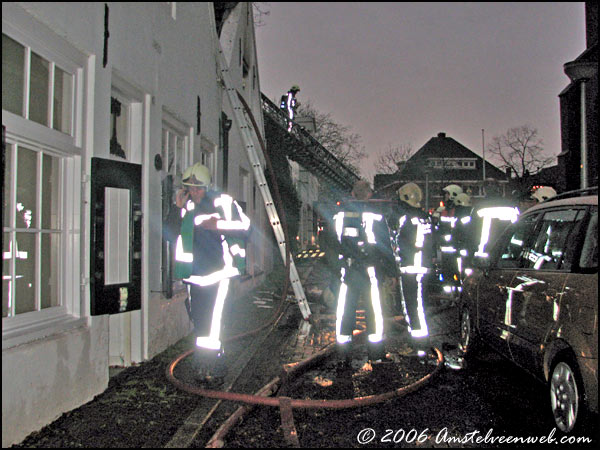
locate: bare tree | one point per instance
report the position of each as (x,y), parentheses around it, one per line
(261,10)
(337,138)
(393,158)
(521,150)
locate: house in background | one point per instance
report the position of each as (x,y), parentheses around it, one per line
(103,107)
(578,160)
(440,162)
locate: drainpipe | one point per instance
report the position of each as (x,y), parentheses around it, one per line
(582,72)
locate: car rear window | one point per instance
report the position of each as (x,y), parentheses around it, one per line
(589,251)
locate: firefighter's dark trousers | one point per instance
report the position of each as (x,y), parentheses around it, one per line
(356,281)
(414,298)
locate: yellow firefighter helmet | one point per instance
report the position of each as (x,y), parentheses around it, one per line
(196,175)
(411,193)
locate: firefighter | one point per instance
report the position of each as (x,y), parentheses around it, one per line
(491,216)
(210,228)
(450,193)
(365,259)
(415,251)
(447,249)
(289,104)
(462,237)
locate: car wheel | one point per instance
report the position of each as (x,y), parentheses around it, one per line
(468,334)
(566,395)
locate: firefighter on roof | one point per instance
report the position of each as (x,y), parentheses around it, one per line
(289,104)
(209,229)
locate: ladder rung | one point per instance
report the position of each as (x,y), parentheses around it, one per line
(244,126)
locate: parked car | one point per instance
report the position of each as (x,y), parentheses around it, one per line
(535,301)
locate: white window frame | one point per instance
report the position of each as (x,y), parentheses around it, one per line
(208,157)
(132,101)
(453,163)
(26,327)
(172,125)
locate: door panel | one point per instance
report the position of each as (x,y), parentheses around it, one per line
(497,290)
(537,290)
(492,306)
(535,308)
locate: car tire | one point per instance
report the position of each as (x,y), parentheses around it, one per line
(469,337)
(566,394)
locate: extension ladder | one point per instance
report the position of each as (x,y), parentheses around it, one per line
(244,126)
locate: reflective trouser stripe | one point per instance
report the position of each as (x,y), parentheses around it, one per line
(376,305)
(339,315)
(212,341)
(375,337)
(422,330)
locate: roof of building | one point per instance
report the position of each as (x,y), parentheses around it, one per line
(446,149)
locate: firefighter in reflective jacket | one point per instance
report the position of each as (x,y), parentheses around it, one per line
(415,248)
(463,234)
(491,216)
(289,104)
(448,252)
(211,228)
(365,258)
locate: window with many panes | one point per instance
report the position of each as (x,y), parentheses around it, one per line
(207,156)
(35,88)
(175,154)
(39,86)
(32,230)
(175,151)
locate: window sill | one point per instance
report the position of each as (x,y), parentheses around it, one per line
(15,332)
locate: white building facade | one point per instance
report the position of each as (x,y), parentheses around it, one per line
(103,107)
(307,187)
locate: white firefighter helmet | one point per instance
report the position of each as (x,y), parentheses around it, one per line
(196,175)
(543,193)
(411,193)
(463,200)
(453,190)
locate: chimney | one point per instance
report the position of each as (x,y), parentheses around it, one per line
(441,135)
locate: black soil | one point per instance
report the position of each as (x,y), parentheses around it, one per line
(141,408)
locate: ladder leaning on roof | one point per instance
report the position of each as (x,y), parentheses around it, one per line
(244,126)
